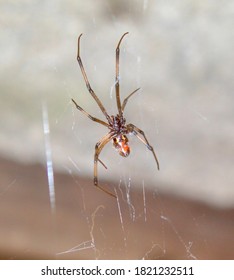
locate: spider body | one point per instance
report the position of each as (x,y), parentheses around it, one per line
(120,140)
(118,129)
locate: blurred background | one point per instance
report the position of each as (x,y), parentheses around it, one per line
(180,53)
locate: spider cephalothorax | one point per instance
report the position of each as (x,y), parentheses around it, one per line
(116,124)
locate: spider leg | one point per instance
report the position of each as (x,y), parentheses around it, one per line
(88,115)
(126,99)
(98,148)
(93,119)
(103,164)
(87,81)
(117,75)
(136,131)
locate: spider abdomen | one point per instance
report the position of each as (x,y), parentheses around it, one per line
(120,142)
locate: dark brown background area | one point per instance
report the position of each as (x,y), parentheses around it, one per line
(164,227)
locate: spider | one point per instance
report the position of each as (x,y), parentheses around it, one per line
(118,129)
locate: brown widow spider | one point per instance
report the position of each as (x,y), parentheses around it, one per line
(118,129)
